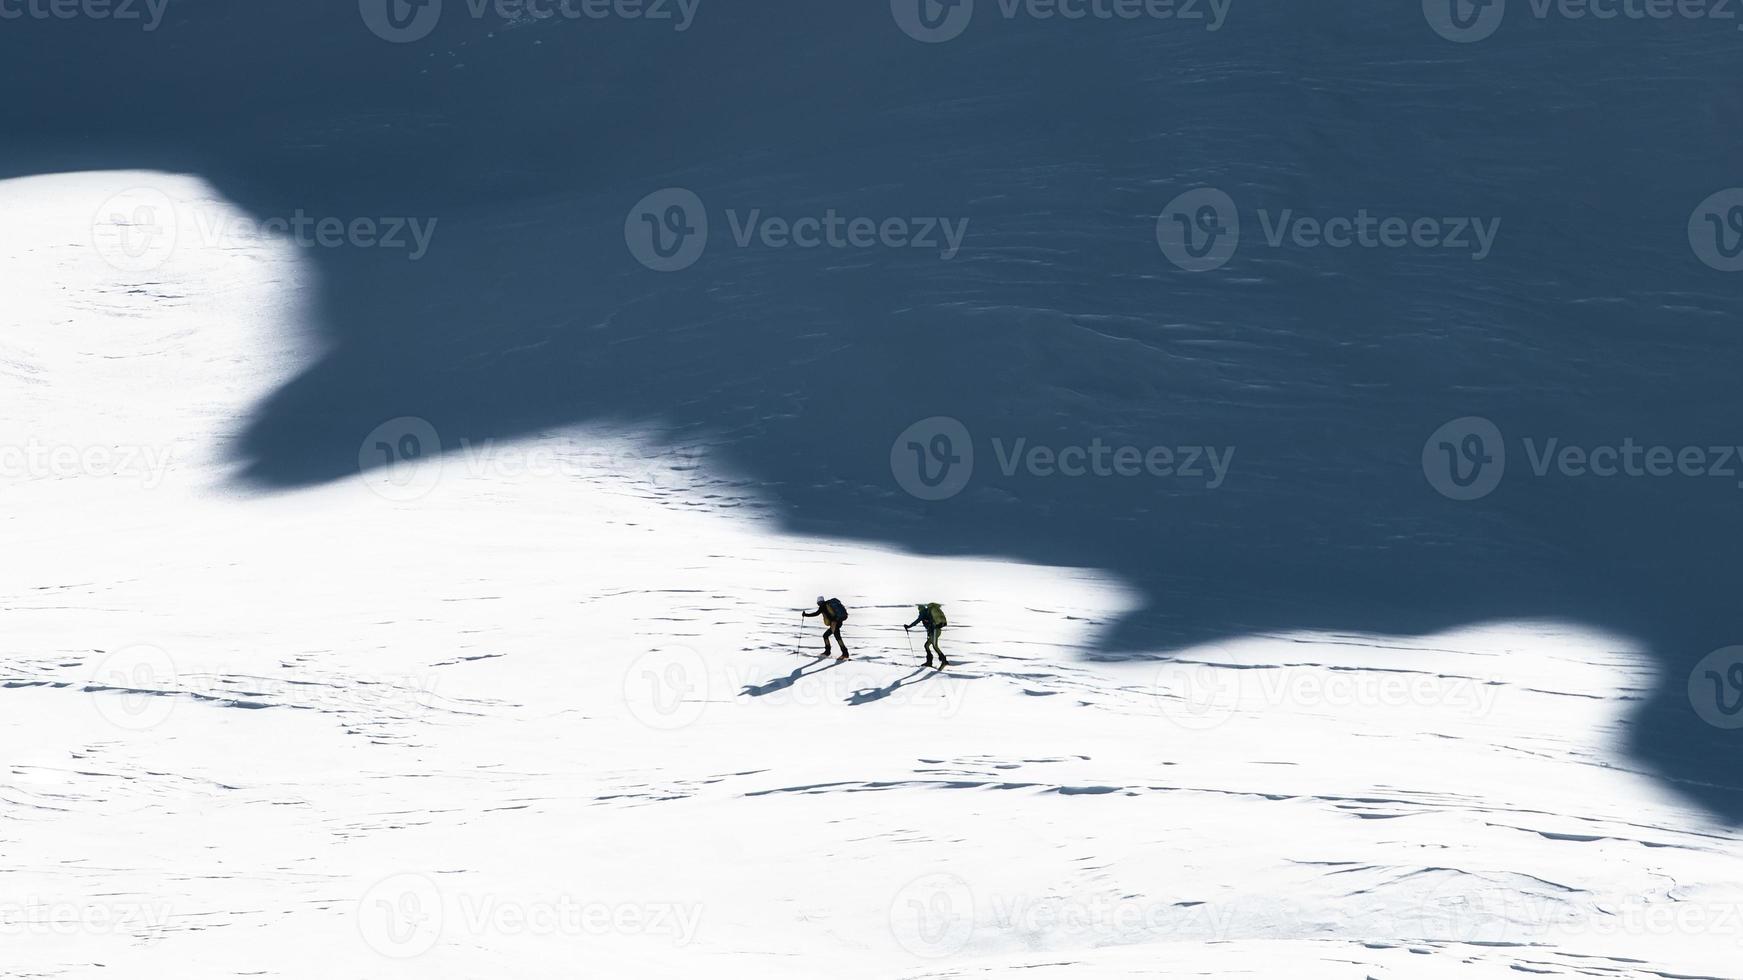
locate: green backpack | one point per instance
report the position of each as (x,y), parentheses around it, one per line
(934,614)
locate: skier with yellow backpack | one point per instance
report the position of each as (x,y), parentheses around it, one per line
(931,614)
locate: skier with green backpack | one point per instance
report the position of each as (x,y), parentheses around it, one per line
(931,614)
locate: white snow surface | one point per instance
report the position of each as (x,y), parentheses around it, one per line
(543,709)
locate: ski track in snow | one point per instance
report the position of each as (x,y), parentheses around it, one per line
(333,733)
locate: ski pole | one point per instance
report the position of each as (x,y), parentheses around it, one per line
(799,637)
(910,635)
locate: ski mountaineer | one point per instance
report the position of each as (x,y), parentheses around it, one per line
(834,614)
(932,614)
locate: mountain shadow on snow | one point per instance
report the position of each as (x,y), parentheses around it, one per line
(1060,322)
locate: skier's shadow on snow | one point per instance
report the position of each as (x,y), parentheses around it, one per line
(782,683)
(1060,321)
(871,694)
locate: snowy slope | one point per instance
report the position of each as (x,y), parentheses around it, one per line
(1060,143)
(536,709)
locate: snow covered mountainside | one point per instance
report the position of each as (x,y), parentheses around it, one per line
(1009,204)
(541,706)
